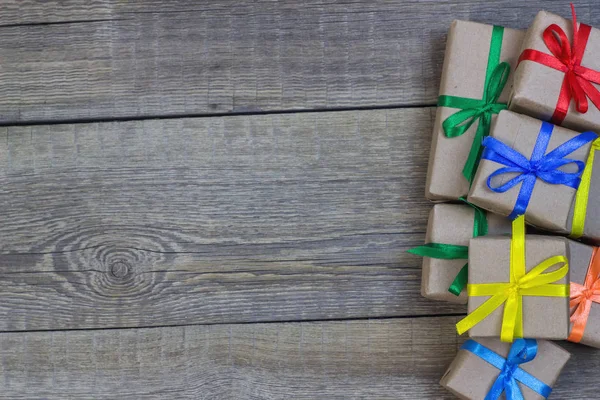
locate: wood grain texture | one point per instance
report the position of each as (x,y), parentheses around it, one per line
(226,219)
(384,359)
(390,359)
(156,58)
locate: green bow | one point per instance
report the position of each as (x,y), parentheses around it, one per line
(472,110)
(455,252)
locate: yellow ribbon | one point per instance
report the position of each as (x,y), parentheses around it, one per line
(522,283)
(583,193)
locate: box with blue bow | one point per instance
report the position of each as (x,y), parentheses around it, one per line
(547,173)
(488,368)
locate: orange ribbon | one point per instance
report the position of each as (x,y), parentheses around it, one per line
(582,297)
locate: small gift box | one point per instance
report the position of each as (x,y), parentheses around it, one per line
(558,73)
(475,85)
(485,368)
(584,263)
(449,229)
(518,286)
(542,171)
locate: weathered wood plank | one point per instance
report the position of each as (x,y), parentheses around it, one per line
(19,12)
(177,58)
(385,359)
(390,359)
(225,219)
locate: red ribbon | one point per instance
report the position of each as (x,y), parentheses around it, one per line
(582,297)
(577,83)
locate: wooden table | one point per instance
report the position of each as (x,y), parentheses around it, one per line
(213,200)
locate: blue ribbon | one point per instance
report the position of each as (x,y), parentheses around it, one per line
(522,351)
(541,165)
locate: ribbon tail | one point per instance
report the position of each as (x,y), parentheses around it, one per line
(509,319)
(480,313)
(562,104)
(513,392)
(579,319)
(476,148)
(497,388)
(459,283)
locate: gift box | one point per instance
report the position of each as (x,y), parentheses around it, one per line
(556,77)
(543,171)
(584,262)
(449,229)
(474,86)
(487,366)
(518,286)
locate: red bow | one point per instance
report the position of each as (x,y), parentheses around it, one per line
(577,82)
(582,297)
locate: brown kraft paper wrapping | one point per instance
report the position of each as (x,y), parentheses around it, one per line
(537,87)
(463,75)
(489,262)
(459,378)
(579,260)
(551,206)
(452,224)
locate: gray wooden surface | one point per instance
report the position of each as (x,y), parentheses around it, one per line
(229,219)
(238,247)
(383,359)
(118,59)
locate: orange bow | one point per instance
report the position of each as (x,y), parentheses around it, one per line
(582,297)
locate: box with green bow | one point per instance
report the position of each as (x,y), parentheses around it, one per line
(475,85)
(445,253)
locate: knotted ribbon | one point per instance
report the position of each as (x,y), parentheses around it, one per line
(540,166)
(583,194)
(536,282)
(582,297)
(455,252)
(522,351)
(577,83)
(478,109)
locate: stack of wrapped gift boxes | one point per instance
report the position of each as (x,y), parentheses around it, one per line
(514,145)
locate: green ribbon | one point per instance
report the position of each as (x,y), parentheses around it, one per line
(446,251)
(481,110)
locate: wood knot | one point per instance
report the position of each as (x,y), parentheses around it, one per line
(120,269)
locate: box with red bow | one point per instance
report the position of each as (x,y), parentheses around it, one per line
(558,73)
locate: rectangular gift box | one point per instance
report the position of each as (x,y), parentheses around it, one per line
(464,75)
(470,377)
(580,256)
(537,87)
(452,224)
(489,262)
(551,205)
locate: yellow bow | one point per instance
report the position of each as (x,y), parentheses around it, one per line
(583,193)
(532,283)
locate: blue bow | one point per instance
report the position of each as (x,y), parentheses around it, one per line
(522,351)
(541,165)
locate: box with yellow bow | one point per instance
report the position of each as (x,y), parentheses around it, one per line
(518,287)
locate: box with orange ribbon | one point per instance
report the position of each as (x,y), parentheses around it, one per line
(475,85)
(487,368)
(558,73)
(445,254)
(584,262)
(548,173)
(518,286)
